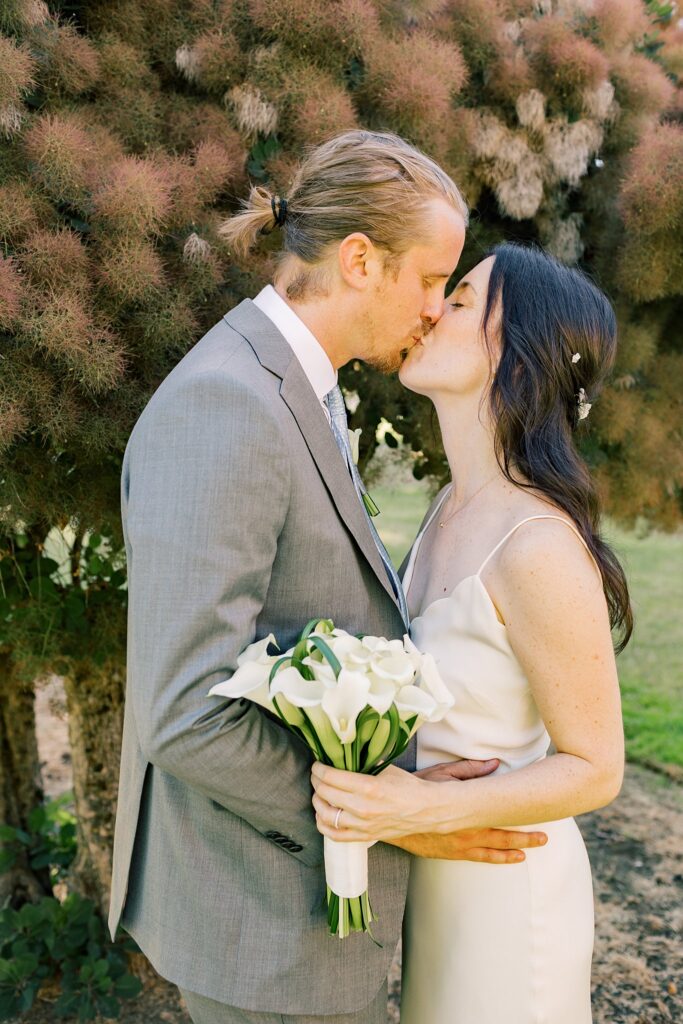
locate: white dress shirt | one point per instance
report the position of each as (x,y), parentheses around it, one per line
(314,360)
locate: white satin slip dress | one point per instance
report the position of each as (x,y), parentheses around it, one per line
(486,943)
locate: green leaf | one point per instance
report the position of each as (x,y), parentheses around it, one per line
(128,986)
(9,1005)
(24,966)
(261,152)
(308,629)
(37,818)
(109,1006)
(8,859)
(67,1004)
(328,654)
(377,744)
(278,664)
(79,225)
(354,73)
(28,996)
(94,565)
(366,725)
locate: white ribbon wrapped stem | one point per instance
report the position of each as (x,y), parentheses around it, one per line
(346,867)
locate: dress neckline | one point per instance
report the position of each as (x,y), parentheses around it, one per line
(410,568)
(449,597)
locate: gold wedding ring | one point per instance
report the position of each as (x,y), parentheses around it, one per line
(336,820)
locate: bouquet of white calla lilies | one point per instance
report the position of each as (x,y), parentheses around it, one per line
(355,701)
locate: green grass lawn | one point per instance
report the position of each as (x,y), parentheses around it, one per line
(651,667)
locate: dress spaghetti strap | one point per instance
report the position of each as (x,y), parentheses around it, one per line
(560,519)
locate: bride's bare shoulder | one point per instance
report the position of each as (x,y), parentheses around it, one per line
(542,552)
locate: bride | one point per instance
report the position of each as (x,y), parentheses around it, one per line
(514,592)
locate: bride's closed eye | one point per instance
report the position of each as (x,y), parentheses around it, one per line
(456,305)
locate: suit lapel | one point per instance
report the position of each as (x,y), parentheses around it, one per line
(275,354)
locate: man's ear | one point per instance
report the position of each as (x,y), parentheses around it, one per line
(357,260)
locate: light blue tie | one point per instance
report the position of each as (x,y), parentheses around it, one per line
(334,401)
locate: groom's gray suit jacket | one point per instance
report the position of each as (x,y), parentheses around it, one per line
(240,519)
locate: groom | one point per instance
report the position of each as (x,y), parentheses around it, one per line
(243,515)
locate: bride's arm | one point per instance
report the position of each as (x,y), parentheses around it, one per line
(550,597)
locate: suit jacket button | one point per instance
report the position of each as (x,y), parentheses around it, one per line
(295,848)
(272,835)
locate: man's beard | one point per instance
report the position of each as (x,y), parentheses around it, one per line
(385,363)
(391,362)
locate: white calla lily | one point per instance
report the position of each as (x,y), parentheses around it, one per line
(250,680)
(396,666)
(411,700)
(413,652)
(354,442)
(344,703)
(359,658)
(375,643)
(382,693)
(433,684)
(302,693)
(257,651)
(321,669)
(380,645)
(344,647)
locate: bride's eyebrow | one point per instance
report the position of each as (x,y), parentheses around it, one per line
(465,284)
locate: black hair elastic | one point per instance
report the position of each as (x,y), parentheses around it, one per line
(280,214)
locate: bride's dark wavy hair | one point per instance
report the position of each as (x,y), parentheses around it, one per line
(548,313)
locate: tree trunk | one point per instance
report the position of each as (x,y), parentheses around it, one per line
(95,697)
(20,781)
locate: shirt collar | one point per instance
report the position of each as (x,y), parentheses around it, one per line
(314,360)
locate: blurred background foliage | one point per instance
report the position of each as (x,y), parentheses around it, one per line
(130,130)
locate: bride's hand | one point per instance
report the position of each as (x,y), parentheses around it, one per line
(386,806)
(373,808)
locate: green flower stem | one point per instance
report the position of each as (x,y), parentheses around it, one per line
(349,915)
(327,739)
(356,913)
(348,756)
(297,722)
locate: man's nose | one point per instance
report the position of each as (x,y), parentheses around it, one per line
(433,310)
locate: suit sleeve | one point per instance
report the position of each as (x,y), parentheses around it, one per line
(205,496)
